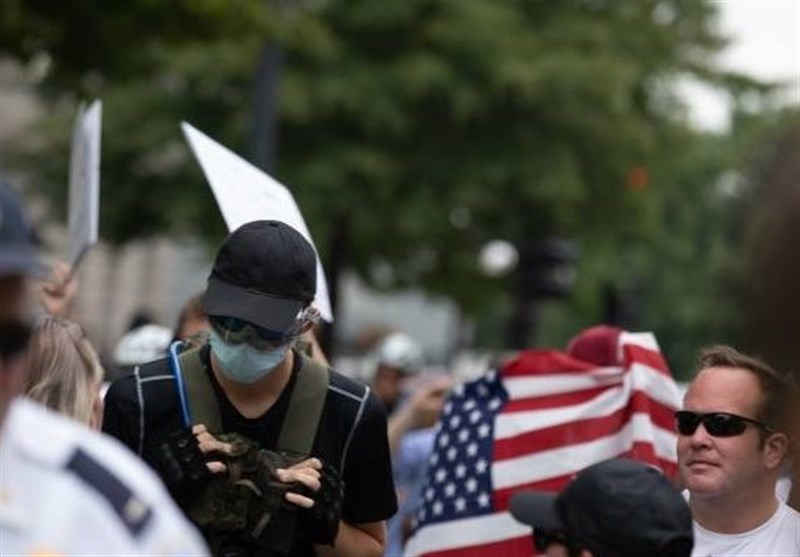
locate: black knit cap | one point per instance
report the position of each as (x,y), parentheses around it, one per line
(616,508)
(265,273)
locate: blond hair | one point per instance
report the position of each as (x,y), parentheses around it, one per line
(64,368)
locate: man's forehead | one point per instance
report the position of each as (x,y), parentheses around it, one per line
(723,389)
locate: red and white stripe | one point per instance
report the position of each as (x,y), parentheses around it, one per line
(562,416)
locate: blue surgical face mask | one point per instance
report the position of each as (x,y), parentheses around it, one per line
(242,363)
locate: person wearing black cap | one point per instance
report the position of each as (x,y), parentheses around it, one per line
(616,508)
(259,301)
(65,489)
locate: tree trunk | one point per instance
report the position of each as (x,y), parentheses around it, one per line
(263,144)
(337,259)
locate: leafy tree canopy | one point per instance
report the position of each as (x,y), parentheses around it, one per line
(416,131)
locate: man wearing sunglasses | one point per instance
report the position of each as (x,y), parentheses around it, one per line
(258,298)
(731,451)
(65,489)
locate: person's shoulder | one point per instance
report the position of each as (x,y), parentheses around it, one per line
(789,513)
(784,531)
(65,450)
(345,386)
(351,400)
(151,373)
(358,397)
(53,440)
(342,387)
(115,503)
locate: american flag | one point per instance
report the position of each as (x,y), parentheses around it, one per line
(533,424)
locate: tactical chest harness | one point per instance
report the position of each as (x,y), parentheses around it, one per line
(245,514)
(199,401)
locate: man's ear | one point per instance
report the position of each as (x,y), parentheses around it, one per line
(586,553)
(775,449)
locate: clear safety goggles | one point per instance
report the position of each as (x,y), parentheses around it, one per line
(237,331)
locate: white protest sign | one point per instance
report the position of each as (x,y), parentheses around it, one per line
(84,182)
(246,193)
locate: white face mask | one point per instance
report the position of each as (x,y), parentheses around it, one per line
(242,363)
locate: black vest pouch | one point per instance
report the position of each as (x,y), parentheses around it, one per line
(245,512)
(272,521)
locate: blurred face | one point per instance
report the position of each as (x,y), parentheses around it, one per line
(14,332)
(193,325)
(715,467)
(556,550)
(388,384)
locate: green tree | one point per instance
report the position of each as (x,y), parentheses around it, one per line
(689,274)
(411,132)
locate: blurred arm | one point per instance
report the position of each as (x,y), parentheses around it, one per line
(356,540)
(421,410)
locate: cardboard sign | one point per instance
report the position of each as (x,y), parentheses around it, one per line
(246,193)
(84,182)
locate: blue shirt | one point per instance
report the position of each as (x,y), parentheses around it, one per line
(410,468)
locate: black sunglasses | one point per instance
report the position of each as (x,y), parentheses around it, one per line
(718,424)
(14,338)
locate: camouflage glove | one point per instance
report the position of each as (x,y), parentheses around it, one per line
(181,464)
(223,504)
(327,509)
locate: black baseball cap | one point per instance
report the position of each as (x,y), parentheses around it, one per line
(265,273)
(17,252)
(616,508)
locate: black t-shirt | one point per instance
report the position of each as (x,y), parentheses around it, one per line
(351,435)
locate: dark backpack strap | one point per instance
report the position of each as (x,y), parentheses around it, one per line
(198,400)
(300,424)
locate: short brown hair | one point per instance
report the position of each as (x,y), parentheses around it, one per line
(775,408)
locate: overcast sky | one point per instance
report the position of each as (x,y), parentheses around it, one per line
(765,44)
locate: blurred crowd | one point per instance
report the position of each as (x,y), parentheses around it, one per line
(231,434)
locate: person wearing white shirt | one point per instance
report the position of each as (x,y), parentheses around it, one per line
(64,488)
(67,490)
(731,452)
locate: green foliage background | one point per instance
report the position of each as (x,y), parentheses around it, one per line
(523,117)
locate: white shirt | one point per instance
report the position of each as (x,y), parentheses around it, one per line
(778,536)
(783,488)
(67,490)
